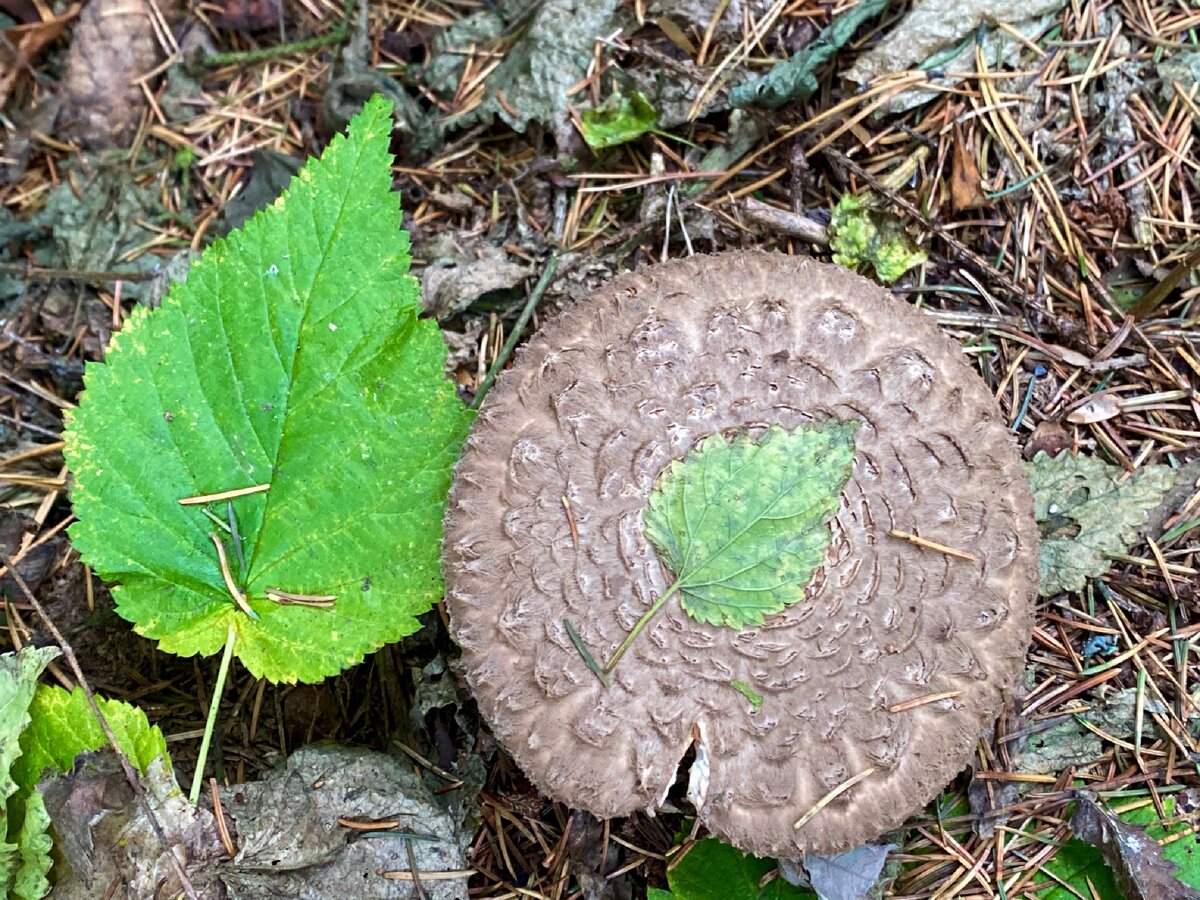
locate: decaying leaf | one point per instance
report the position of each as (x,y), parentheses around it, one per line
(1080,868)
(1183,69)
(97,223)
(1097,408)
(1139,867)
(743,524)
(1086,513)
(551,52)
(104,836)
(292,844)
(940,34)
(863,235)
(268,177)
(461,268)
(847,876)
(965,190)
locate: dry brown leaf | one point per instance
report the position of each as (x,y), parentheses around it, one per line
(965,190)
(1099,408)
(28,40)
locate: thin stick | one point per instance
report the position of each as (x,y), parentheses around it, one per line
(139,791)
(403,875)
(571,522)
(412,868)
(286,598)
(42,273)
(931,545)
(219,818)
(211,724)
(831,796)
(923,701)
(41,450)
(201,499)
(517,330)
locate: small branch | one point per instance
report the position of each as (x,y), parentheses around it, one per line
(923,701)
(336,35)
(42,273)
(287,598)
(139,791)
(518,329)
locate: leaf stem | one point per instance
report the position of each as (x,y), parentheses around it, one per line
(211,725)
(517,330)
(640,624)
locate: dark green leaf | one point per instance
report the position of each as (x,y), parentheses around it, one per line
(712,870)
(798,78)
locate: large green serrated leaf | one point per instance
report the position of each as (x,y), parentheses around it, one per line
(292,357)
(1086,514)
(744,523)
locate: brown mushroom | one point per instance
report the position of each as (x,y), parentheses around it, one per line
(875,687)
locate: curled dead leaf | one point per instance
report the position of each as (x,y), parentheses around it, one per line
(1097,408)
(965,191)
(22,44)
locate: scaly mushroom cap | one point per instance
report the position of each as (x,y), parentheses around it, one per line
(597,405)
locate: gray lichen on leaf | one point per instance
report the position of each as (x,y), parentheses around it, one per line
(1086,515)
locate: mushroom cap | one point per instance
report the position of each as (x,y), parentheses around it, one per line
(599,402)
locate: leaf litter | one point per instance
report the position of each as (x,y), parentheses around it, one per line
(1087,514)
(1062,266)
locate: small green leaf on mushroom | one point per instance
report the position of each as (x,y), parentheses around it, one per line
(744,523)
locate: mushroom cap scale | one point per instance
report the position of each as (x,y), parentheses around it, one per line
(545,524)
